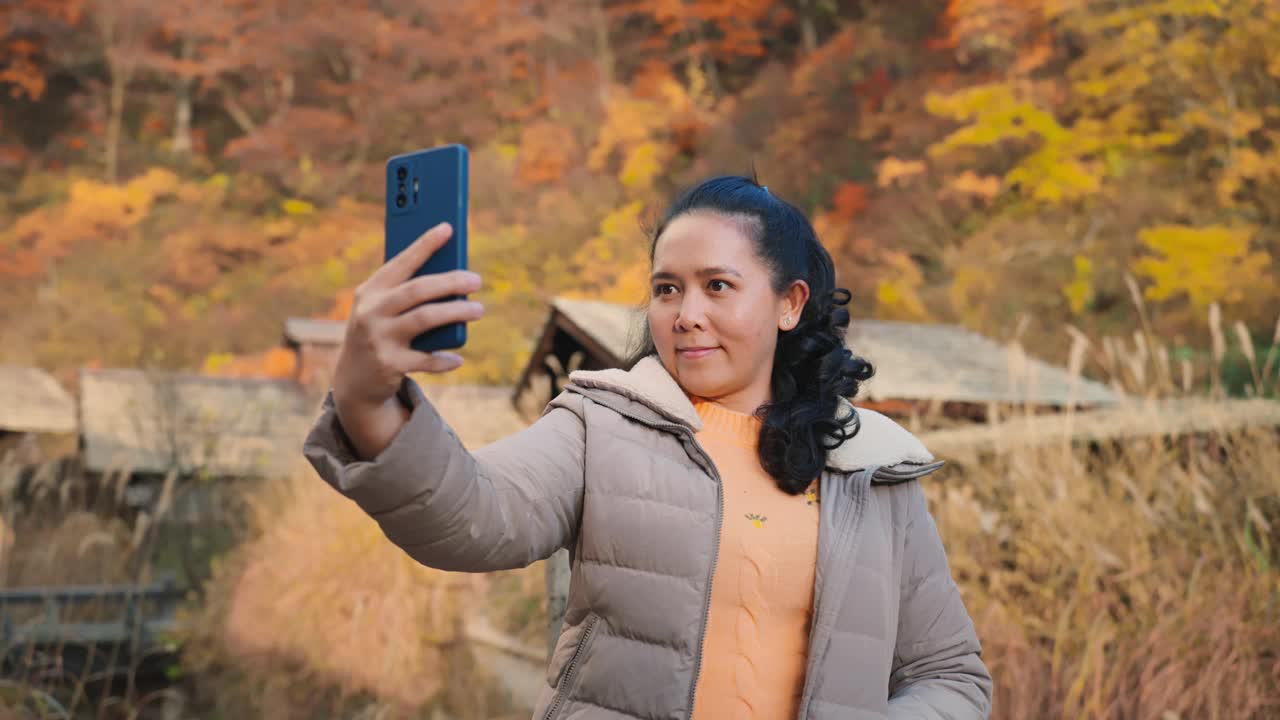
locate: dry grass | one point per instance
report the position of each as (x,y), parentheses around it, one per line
(319,615)
(1135,580)
(59,528)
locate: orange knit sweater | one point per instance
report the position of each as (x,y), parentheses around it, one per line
(757,635)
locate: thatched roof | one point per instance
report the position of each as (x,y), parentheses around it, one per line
(913,361)
(617,328)
(1150,418)
(917,361)
(31,400)
(313,331)
(155,422)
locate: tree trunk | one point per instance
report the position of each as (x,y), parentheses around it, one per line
(604,49)
(117,35)
(808,33)
(115,122)
(237,113)
(709,68)
(182,145)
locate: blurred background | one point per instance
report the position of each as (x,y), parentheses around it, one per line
(1059,221)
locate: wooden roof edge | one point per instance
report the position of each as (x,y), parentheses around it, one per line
(1041,430)
(117,373)
(559,320)
(589,341)
(545,339)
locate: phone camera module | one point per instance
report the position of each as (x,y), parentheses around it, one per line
(401,200)
(401,173)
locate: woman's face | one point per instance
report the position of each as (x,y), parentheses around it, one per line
(713,313)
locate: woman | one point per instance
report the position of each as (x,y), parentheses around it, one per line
(744,543)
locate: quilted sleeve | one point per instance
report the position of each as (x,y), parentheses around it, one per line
(937,670)
(507,505)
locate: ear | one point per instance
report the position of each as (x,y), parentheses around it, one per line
(791,304)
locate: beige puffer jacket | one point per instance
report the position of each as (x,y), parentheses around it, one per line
(612,471)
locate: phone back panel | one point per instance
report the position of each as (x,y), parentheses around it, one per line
(423,189)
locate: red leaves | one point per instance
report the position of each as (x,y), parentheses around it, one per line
(850,200)
(874,88)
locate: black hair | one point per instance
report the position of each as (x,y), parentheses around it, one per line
(812,367)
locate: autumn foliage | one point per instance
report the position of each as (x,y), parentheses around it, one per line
(991,162)
(180,177)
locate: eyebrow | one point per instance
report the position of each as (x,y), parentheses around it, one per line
(704,272)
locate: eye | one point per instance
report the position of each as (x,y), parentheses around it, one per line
(718,285)
(663,288)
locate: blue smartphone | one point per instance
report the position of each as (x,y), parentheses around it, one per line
(424,189)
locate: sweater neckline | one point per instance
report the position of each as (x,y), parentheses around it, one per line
(719,420)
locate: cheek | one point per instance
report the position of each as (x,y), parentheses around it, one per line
(748,323)
(660,327)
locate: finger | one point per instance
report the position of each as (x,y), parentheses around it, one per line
(433,315)
(402,266)
(410,361)
(408,295)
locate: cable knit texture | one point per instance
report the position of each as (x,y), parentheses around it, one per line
(762,593)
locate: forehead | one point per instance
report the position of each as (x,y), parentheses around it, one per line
(705,238)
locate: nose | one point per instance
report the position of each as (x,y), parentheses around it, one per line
(692,315)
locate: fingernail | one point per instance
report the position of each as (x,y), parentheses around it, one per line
(476,307)
(473,279)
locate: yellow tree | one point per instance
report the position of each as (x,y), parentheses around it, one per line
(1206,264)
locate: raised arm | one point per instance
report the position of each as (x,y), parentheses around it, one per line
(379,442)
(506,505)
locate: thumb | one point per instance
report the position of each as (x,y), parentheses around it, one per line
(437,362)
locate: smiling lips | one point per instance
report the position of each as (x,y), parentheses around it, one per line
(695,353)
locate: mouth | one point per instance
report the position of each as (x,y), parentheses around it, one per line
(695,353)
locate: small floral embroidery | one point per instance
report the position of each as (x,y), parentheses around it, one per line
(757,520)
(811,494)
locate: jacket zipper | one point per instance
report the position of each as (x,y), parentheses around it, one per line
(890,475)
(565,682)
(715,554)
(822,590)
(715,558)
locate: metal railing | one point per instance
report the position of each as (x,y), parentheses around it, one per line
(127,615)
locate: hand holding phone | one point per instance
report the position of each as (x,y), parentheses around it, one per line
(423,189)
(394,306)
(391,308)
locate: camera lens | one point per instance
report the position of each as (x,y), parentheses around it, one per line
(401,173)
(401,200)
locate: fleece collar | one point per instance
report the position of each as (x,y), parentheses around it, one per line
(880,442)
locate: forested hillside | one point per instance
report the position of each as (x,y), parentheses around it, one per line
(179,177)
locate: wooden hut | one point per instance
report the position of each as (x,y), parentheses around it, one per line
(36,412)
(32,401)
(479,414)
(316,342)
(918,365)
(152,423)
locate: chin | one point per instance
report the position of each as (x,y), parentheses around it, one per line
(702,382)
